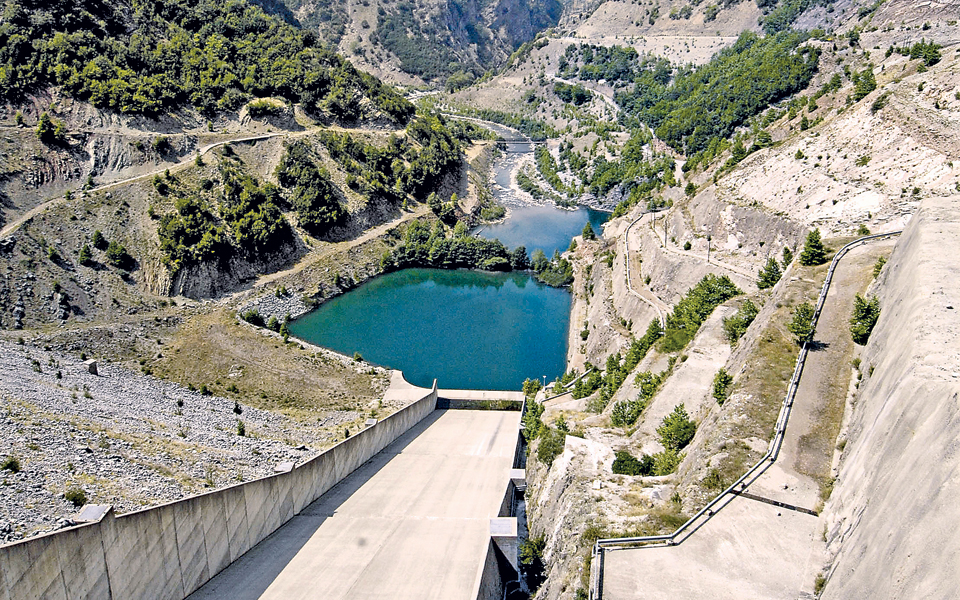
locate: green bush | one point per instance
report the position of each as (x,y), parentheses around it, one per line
(50,131)
(626,464)
(11,464)
(677,429)
(551,445)
(864,318)
(99,242)
(878,266)
(734,327)
(75,496)
(253,317)
(721,385)
(769,275)
(666,462)
(85,256)
(117,256)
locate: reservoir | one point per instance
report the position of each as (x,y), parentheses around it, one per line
(467,329)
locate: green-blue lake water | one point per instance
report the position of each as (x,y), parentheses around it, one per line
(467,329)
(543,227)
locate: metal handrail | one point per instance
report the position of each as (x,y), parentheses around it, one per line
(773,451)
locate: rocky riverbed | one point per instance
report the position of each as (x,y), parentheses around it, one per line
(127,439)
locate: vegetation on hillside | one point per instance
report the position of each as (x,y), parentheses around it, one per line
(703,103)
(153,57)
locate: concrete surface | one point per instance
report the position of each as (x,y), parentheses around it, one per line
(891,520)
(748,550)
(413,522)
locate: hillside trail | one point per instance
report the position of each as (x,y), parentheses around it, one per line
(713,260)
(765,544)
(178,166)
(632,272)
(329,249)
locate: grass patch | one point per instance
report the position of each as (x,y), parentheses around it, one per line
(209,347)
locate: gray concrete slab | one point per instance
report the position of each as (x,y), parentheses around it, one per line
(748,550)
(413,522)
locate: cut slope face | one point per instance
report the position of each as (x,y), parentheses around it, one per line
(890,521)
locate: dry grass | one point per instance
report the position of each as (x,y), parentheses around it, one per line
(215,350)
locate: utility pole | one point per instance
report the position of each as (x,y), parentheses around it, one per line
(708,247)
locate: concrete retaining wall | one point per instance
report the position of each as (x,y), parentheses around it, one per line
(169,551)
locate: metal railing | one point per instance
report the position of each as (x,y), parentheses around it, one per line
(773,450)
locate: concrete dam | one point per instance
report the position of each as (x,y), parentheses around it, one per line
(417,505)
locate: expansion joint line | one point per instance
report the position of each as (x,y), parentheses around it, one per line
(740,485)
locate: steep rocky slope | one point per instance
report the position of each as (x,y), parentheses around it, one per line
(886,520)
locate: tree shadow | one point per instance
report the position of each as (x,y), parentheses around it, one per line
(817,346)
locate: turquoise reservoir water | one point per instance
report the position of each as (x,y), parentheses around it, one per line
(545,227)
(467,329)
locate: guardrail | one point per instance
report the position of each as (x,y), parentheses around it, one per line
(773,450)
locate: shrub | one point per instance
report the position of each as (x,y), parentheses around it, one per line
(787,257)
(734,327)
(864,318)
(357,357)
(11,464)
(531,387)
(75,496)
(687,245)
(677,429)
(588,233)
(878,266)
(551,445)
(666,462)
(253,317)
(813,251)
(626,464)
(50,131)
(242,429)
(117,256)
(85,256)
(802,324)
(99,242)
(721,385)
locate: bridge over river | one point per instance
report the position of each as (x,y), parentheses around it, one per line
(412,522)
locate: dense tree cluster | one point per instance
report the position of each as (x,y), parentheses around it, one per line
(152,57)
(614,64)
(312,195)
(929,53)
(572,93)
(425,246)
(712,100)
(243,218)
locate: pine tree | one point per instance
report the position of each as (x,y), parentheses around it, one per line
(769,275)
(865,316)
(813,251)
